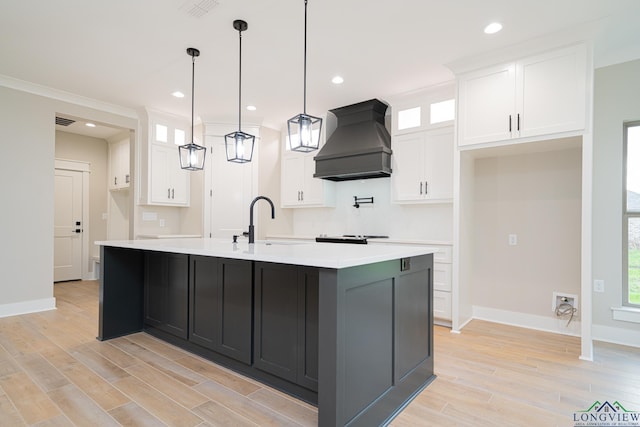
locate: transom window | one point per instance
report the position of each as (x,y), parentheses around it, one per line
(631,213)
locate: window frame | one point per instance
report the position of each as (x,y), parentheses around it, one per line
(626,216)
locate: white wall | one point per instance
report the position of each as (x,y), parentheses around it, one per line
(536,196)
(27,169)
(70,146)
(415,222)
(617,99)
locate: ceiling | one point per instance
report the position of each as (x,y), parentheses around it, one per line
(133,53)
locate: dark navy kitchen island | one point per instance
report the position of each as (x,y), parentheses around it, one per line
(346,327)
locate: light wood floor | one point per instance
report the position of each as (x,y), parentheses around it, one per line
(53,372)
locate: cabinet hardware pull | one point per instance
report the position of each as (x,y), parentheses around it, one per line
(426,188)
(420,187)
(127,179)
(173,193)
(509,122)
(168,193)
(302,195)
(115,180)
(518,122)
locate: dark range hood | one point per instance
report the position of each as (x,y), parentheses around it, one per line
(360,147)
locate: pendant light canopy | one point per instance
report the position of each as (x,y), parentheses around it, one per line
(192,155)
(304,130)
(239,145)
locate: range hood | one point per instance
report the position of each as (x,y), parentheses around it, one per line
(360,147)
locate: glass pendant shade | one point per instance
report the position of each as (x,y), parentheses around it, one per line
(304,132)
(239,146)
(192,156)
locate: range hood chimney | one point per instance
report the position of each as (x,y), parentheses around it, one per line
(360,147)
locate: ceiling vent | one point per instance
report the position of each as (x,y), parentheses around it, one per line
(198,8)
(64,122)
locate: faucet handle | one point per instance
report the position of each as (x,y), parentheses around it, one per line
(235,238)
(245,233)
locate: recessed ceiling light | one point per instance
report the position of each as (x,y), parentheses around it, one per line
(337,80)
(91,125)
(493,28)
(178,94)
(251,107)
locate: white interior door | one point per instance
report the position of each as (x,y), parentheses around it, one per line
(68,226)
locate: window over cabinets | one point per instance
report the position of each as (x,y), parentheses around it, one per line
(631,213)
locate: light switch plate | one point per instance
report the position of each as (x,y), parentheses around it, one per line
(598,285)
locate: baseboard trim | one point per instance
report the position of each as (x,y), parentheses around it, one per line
(26,307)
(525,320)
(613,335)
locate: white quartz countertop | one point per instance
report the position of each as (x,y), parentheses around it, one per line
(326,255)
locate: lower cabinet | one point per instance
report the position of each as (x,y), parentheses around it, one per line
(220,306)
(286,322)
(166,292)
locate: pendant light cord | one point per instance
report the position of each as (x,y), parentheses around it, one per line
(304,103)
(240,83)
(193,76)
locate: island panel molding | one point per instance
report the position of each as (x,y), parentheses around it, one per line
(356,338)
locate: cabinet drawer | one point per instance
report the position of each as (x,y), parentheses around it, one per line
(442,305)
(441,277)
(443,254)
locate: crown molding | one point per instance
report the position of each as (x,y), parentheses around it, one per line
(60,95)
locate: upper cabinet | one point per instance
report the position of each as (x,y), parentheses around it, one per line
(119,176)
(540,95)
(423,167)
(423,145)
(164,182)
(298,186)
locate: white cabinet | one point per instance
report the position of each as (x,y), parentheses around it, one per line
(163,182)
(442,267)
(119,177)
(169,183)
(297,185)
(423,166)
(539,95)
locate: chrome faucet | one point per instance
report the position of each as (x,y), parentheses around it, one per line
(251,227)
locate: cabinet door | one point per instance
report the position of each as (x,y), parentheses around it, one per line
(155,289)
(169,183)
(276,320)
(292,180)
(313,188)
(408,167)
(438,157)
(166,292)
(220,314)
(235,292)
(113,166)
(552,92)
(308,282)
(160,188)
(486,105)
(178,180)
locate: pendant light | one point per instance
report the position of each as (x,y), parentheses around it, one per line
(304,130)
(192,155)
(239,145)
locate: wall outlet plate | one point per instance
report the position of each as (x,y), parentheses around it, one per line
(598,285)
(562,297)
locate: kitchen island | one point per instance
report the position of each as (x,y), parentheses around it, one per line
(346,327)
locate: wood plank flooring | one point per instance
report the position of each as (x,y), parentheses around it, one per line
(53,372)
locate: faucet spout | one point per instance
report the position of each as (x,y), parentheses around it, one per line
(251,227)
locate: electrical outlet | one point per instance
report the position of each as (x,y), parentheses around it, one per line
(513,239)
(598,286)
(564,298)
